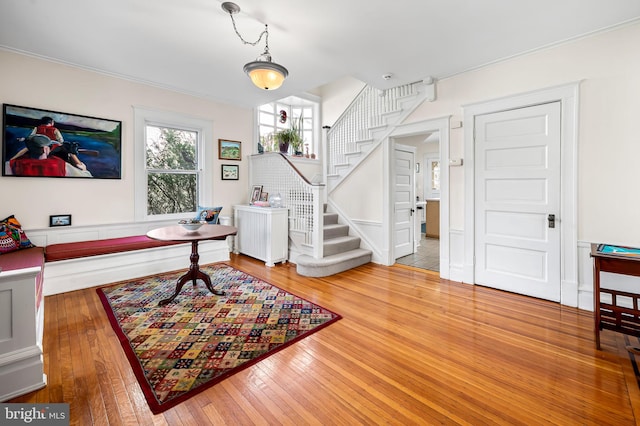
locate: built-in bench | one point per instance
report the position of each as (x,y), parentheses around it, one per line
(27,275)
(21,322)
(75,250)
(82,257)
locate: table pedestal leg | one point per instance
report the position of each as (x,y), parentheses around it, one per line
(193,274)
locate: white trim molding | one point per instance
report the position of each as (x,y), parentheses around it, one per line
(568,96)
(440,125)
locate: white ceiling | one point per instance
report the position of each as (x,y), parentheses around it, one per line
(190,46)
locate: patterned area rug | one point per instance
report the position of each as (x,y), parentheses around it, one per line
(199,339)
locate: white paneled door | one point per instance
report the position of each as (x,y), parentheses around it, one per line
(404,200)
(517,200)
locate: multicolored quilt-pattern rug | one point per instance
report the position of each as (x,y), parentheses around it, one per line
(199,339)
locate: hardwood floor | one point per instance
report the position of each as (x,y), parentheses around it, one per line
(410,349)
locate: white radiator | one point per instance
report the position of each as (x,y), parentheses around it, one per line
(263,233)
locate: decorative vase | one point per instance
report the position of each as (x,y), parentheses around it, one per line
(275,200)
(284,147)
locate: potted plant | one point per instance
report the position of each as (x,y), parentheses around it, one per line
(290,137)
(284,138)
(297,141)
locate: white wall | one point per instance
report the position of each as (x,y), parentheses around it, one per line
(608,64)
(360,195)
(337,96)
(32,82)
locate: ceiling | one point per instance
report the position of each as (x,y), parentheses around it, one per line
(190,46)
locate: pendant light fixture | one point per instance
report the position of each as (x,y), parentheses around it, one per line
(263,72)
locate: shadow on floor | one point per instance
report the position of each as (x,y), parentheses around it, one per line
(427,256)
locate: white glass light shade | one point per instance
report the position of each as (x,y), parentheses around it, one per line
(266,75)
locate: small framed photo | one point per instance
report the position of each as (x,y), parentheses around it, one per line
(255,193)
(264,196)
(229,150)
(230,172)
(60,220)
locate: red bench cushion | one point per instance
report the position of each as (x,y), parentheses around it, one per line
(26,258)
(65,251)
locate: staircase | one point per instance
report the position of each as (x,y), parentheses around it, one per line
(367,123)
(318,244)
(341,251)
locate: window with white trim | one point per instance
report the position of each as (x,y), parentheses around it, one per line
(171,164)
(280,115)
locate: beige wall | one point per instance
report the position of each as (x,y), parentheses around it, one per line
(608,64)
(337,96)
(32,82)
(608,67)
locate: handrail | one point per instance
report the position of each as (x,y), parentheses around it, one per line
(354,128)
(275,172)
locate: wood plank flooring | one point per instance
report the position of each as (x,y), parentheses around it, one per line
(410,349)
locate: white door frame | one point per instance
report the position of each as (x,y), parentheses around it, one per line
(568,97)
(440,125)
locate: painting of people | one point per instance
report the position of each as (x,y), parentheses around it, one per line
(43,143)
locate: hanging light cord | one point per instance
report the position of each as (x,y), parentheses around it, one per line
(264,33)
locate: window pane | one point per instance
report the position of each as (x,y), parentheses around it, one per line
(267,119)
(267,108)
(435,175)
(171,149)
(171,193)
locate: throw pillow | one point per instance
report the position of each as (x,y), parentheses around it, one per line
(209,214)
(12,237)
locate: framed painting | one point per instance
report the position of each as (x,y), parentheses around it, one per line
(230,172)
(60,220)
(229,150)
(45,143)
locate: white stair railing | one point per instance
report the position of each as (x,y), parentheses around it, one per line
(277,175)
(370,110)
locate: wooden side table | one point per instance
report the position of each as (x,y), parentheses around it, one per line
(178,233)
(612,316)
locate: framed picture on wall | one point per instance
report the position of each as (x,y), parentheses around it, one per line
(229,150)
(45,143)
(230,172)
(60,220)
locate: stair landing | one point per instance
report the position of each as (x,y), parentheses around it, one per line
(329,265)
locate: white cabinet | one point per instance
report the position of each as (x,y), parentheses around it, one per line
(263,233)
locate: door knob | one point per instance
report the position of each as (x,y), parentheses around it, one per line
(552,220)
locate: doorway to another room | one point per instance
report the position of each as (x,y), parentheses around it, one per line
(426,215)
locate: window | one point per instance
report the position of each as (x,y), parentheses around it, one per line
(270,120)
(432,177)
(173,169)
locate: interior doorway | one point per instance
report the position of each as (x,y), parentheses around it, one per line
(426,248)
